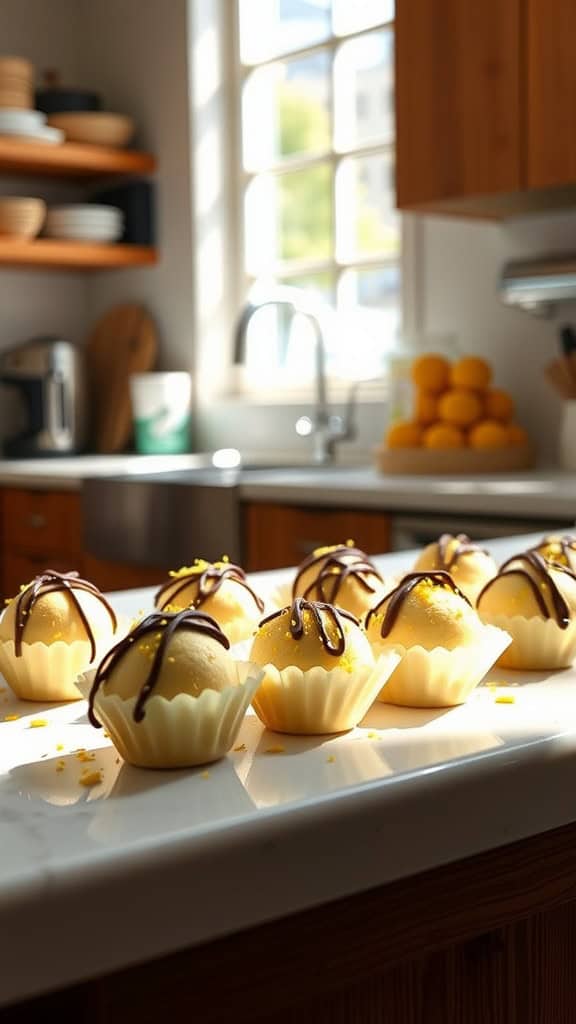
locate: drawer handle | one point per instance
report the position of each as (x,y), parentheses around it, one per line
(37,521)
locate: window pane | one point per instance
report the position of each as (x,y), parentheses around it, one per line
(288,217)
(321,284)
(286,110)
(369,303)
(364,90)
(354,15)
(367,222)
(269,27)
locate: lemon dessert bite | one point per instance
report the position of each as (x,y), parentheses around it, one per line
(468,564)
(558,549)
(535,601)
(170,694)
(320,675)
(445,648)
(51,632)
(220,589)
(341,575)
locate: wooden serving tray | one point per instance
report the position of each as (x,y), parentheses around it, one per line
(453,461)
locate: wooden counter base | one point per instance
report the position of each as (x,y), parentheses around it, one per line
(489,940)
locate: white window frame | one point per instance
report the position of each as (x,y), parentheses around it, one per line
(216,76)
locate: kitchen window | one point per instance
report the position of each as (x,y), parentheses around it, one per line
(315,162)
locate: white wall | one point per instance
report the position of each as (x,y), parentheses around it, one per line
(36,302)
(461,263)
(136,53)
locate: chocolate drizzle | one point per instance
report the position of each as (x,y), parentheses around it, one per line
(322,614)
(209,582)
(52,582)
(334,572)
(542,583)
(464,546)
(566,544)
(166,624)
(396,598)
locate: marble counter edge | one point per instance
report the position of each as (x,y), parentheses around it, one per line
(369,837)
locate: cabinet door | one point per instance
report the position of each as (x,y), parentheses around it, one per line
(276,536)
(551,92)
(458,82)
(41,522)
(19,569)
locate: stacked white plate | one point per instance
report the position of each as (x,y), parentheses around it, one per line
(28,124)
(84,223)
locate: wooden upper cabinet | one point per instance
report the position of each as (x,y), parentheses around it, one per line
(458,98)
(551,92)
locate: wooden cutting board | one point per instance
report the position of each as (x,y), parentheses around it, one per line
(123,342)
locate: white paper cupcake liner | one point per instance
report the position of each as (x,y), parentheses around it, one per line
(536,643)
(181,732)
(319,701)
(442,678)
(45,672)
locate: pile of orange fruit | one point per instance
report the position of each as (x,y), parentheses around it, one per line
(455,406)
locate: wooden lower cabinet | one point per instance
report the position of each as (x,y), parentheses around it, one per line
(487,940)
(276,536)
(43,530)
(121,576)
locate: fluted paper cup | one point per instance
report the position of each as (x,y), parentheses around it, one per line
(319,701)
(45,672)
(442,678)
(181,732)
(536,643)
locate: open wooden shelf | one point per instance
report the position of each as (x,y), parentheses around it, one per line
(58,254)
(70,159)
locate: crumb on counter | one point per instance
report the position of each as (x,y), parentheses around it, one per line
(93,778)
(373,736)
(241,746)
(275,750)
(205,774)
(37,723)
(11,718)
(85,755)
(331,759)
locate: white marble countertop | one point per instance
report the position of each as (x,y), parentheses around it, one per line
(536,494)
(550,494)
(67,472)
(148,862)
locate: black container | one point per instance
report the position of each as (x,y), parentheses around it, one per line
(136,199)
(65,101)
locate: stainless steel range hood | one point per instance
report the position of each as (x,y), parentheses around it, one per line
(538,285)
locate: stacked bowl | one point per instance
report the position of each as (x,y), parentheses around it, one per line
(84,222)
(21,217)
(16,83)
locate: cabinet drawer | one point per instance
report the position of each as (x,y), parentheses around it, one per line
(276,536)
(20,569)
(41,522)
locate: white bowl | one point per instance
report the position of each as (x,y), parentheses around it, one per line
(84,208)
(23,119)
(85,234)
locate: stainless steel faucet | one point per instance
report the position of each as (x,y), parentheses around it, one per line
(324,428)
